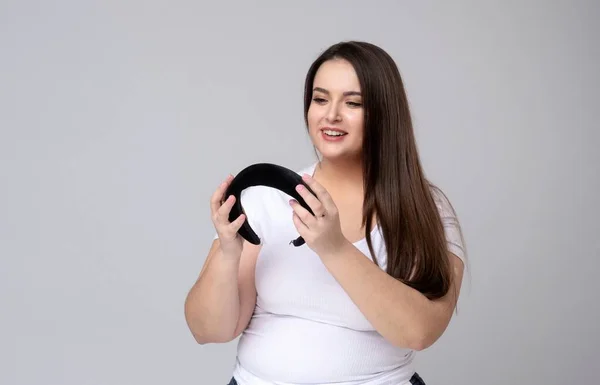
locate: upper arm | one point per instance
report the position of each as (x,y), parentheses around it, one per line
(246,281)
(456,265)
(252,199)
(439,311)
(247,285)
(443,308)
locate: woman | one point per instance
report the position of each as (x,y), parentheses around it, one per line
(380,273)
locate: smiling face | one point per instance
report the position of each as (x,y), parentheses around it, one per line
(335,115)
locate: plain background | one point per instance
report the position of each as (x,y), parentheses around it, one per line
(119,119)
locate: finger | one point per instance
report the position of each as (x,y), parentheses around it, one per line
(237,223)
(222,214)
(229,230)
(217,196)
(311,200)
(303,214)
(321,193)
(300,226)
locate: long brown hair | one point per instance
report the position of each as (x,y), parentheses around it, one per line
(394,182)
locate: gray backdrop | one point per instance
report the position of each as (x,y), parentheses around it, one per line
(119,119)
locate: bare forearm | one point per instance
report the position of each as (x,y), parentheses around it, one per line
(398,312)
(212,306)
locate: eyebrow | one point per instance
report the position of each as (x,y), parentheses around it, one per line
(347,93)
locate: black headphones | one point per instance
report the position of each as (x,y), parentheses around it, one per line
(264,174)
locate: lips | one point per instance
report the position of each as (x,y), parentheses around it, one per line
(333,135)
(333,131)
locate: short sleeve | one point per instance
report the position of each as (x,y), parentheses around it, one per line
(452,228)
(251,199)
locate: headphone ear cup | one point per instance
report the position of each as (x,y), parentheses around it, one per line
(269,175)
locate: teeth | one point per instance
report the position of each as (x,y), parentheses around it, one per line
(333,133)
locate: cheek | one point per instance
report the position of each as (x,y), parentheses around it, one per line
(355,120)
(313,119)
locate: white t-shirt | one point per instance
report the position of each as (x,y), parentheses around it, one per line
(305,328)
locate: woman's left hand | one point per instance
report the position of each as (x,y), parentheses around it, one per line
(322,232)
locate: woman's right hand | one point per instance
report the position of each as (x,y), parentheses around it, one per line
(231,242)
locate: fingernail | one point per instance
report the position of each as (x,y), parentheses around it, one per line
(299,187)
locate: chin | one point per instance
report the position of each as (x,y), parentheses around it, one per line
(338,153)
(342,149)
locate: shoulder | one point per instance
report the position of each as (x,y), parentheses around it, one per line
(450,222)
(442,202)
(307,169)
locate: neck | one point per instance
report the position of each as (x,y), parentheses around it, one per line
(341,174)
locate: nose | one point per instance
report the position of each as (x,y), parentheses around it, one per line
(333,113)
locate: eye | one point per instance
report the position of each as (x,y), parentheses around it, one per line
(319,100)
(354,104)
